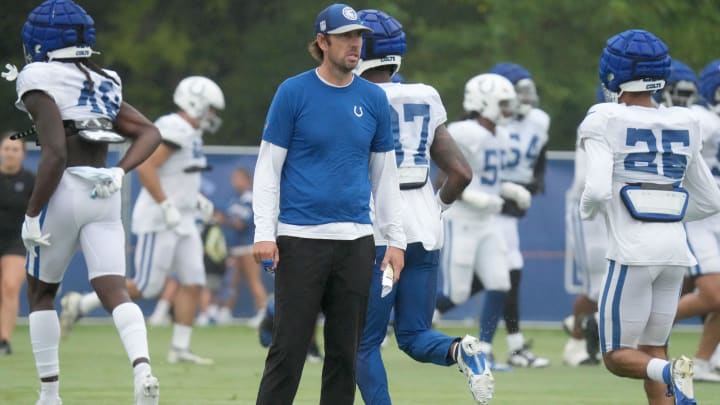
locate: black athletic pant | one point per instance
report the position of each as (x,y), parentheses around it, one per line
(313,275)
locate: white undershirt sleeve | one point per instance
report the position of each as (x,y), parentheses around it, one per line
(388,201)
(266,190)
(598,178)
(704,193)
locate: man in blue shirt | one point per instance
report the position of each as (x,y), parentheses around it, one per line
(327,144)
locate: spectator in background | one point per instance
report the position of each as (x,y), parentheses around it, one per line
(238,221)
(16,185)
(326,146)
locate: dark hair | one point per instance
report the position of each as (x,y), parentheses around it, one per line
(84,64)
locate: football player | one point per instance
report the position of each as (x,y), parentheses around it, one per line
(77,109)
(704,236)
(645,175)
(164,214)
(523,164)
(418,117)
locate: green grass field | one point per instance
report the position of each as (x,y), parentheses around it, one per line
(95,370)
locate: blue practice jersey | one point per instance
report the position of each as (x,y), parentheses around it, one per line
(240,209)
(327,130)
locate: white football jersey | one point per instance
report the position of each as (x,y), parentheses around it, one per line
(483,150)
(179,176)
(648,145)
(527,138)
(76,97)
(710,129)
(417,111)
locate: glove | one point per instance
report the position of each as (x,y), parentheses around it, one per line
(483,201)
(517,193)
(205,208)
(109,184)
(171,214)
(11,73)
(32,236)
(387,281)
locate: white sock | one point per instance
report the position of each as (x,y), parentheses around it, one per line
(141,370)
(49,390)
(181,336)
(515,342)
(161,309)
(44,339)
(130,325)
(89,302)
(656,369)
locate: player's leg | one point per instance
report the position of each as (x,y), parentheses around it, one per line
(161,313)
(416,291)
(300,280)
(251,270)
(12,276)
(106,270)
(456,260)
(492,269)
(187,261)
(709,340)
(371,376)
(345,304)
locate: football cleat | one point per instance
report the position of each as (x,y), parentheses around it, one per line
(704,372)
(5,347)
(51,401)
(682,371)
(147,390)
(186,356)
(70,304)
(472,362)
(525,358)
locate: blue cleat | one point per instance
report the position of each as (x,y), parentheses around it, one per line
(472,362)
(682,372)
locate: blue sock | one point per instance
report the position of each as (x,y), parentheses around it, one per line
(493,309)
(666,374)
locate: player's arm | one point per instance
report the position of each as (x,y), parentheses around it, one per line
(148,171)
(145,137)
(53,152)
(266,201)
(598,182)
(704,193)
(538,184)
(456,171)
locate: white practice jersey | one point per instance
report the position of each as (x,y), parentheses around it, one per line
(483,150)
(634,144)
(75,96)
(710,129)
(179,176)
(417,111)
(527,138)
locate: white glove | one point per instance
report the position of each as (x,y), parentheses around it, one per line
(110,182)
(171,214)
(387,281)
(205,208)
(11,74)
(517,193)
(32,236)
(483,201)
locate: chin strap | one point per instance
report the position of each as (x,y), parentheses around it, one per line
(71,52)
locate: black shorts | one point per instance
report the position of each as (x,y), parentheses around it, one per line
(12,246)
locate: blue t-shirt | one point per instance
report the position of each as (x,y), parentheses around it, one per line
(240,209)
(329,133)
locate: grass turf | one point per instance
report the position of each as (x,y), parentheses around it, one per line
(95,370)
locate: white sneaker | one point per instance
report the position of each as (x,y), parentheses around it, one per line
(186,356)
(202,320)
(49,401)
(471,362)
(159,320)
(147,390)
(70,305)
(575,352)
(704,372)
(254,322)
(681,371)
(224,317)
(525,358)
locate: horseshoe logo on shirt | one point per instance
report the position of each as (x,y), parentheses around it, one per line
(358,111)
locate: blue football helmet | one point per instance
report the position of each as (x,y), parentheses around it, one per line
(521,78)
(680,87)
(710,84)
(385,46)
(634,60)
(58,29)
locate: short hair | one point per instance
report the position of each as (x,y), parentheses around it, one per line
(7,134)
